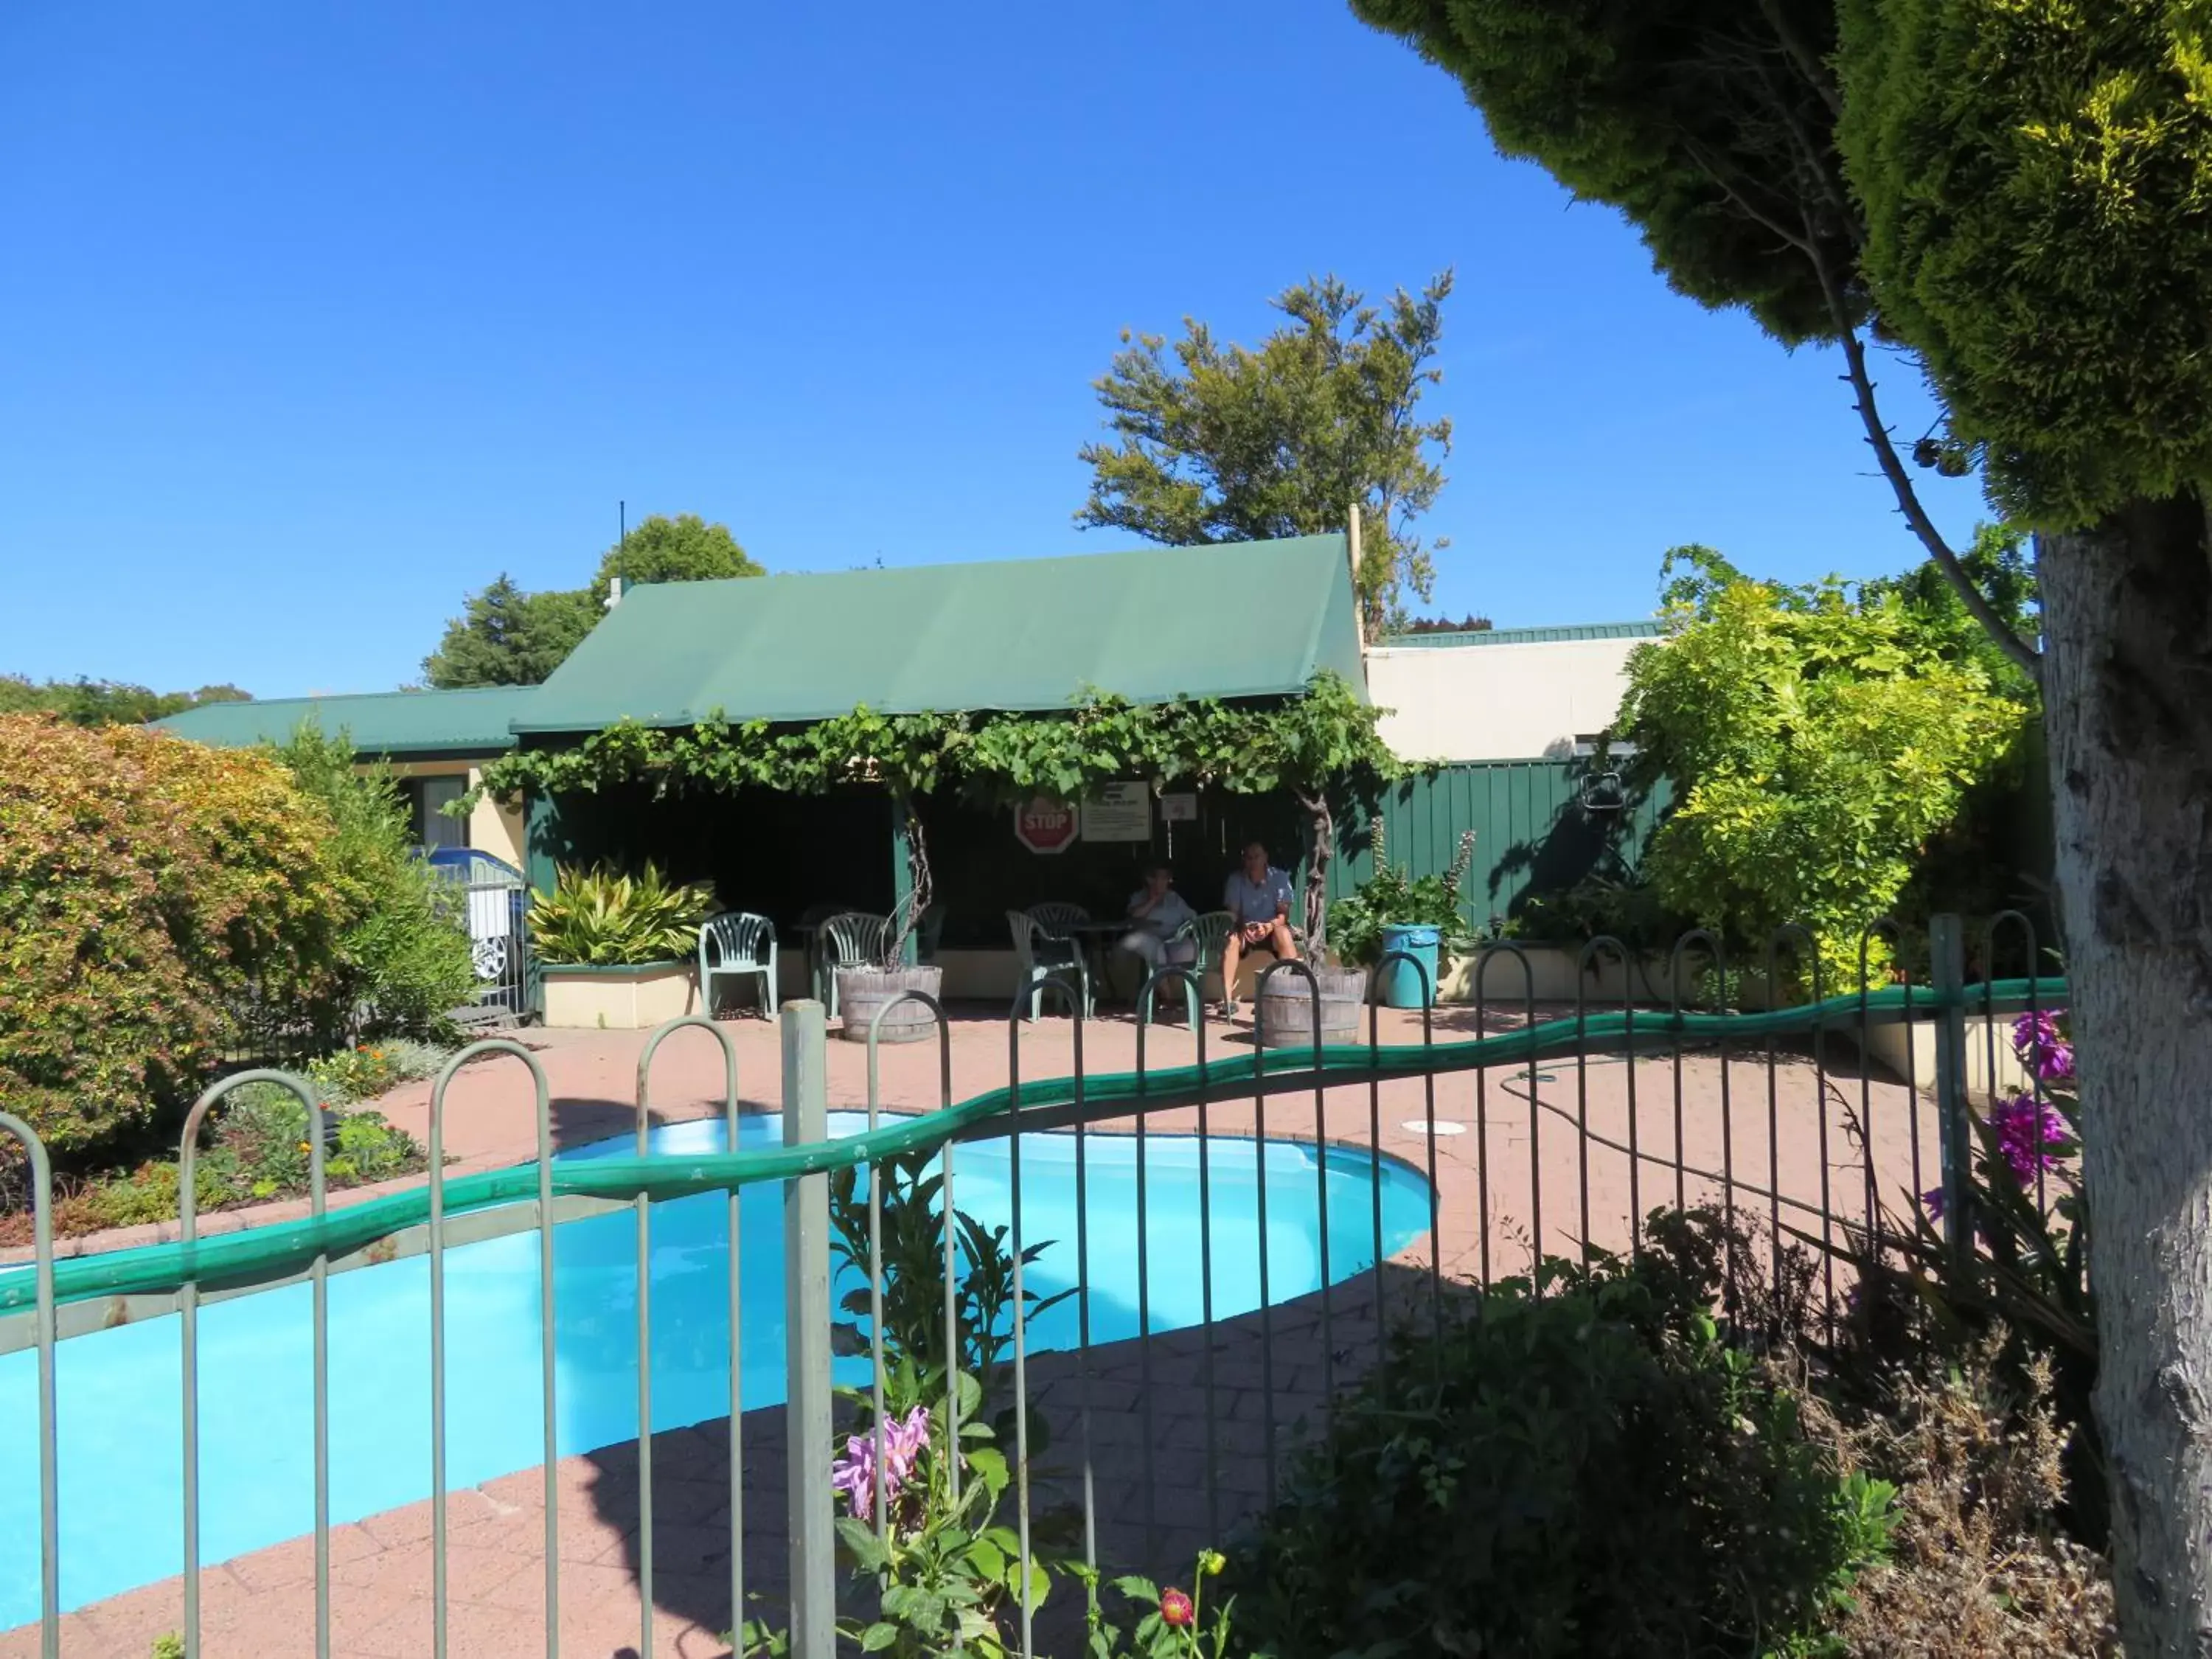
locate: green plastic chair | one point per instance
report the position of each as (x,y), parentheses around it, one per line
(853,938)
(1208,932)
(1039,956)
(1055,916)
(737,944)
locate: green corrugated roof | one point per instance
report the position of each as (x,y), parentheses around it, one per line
(477,721)
(1648,629)
(1235,620)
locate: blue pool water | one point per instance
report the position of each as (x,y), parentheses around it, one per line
(120,1458)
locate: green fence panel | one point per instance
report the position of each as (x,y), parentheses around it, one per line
(1533,832)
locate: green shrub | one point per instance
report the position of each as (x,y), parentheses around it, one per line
(1818,739)
(145,1194)
(1593,1472)
(1392,896)
(405,950)
(599,918)
(148,887)
(370,1069)
(264,1128)
(260,1151)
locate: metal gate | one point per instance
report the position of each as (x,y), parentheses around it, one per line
(495,899)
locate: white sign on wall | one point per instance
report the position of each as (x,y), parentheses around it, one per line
(1119,811)
(1179,809)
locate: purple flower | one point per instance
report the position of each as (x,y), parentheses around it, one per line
(1932,1201)
(854,1473)
(2028,1131)
(2042,1049)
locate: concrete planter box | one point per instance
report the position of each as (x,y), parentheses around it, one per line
(1557,975)
(627,998)
(1897,1045)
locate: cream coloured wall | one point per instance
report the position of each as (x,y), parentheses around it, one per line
(493,828)
(1497,701)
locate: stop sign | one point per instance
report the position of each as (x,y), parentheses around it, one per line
(1044,825)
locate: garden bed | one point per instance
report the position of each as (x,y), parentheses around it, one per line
(257,1150)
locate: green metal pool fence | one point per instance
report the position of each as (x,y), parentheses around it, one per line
(1291,1355)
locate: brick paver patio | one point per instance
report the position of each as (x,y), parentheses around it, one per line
(1499,1161)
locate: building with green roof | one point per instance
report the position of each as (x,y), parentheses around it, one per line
(1249,619)
(1508,708)
(436,743)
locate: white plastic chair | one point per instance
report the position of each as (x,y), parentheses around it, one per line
(1039,956)
(737,944)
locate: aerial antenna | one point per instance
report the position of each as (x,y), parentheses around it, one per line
(621,580)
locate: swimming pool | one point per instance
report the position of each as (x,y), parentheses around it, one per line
(119,1417)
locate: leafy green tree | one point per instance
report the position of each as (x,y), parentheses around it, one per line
(507,637)
(105,702)
(1233,443)
(683,549)
(403,950)
(1817,738)
(2013,190)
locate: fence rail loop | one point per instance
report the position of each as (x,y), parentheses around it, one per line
(643,1206)
(548,1359)
(42,1268)
(189,1327)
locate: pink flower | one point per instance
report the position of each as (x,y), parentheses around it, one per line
(1175,1609)
(854,1473)
(2042,1049)
(2028,1131)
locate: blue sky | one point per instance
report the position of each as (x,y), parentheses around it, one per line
(317,318)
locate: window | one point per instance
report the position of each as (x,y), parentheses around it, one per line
(426,810)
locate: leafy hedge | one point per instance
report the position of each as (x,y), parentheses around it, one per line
(151,889)
(403,948)
(147,885)
(1595,1472)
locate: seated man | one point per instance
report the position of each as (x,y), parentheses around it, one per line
(1156,911)
(1258,899)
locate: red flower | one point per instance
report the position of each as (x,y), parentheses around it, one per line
(1175,1608)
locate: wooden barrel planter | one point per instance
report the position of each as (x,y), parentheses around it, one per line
(863,992)
(1286,1008)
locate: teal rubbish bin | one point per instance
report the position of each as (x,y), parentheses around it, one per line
(1403,985)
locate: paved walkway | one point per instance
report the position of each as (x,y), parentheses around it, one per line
(1510,1170)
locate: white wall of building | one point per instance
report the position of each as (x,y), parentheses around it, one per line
(1499,701)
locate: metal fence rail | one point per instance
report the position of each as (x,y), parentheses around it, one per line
(1518,1161)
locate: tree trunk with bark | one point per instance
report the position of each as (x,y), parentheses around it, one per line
(1321,834)
(922,890)
(2128,694)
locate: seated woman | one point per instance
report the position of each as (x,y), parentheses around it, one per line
(1156,911)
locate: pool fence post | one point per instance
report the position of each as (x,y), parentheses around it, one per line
(806,1339)
(1947,950)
